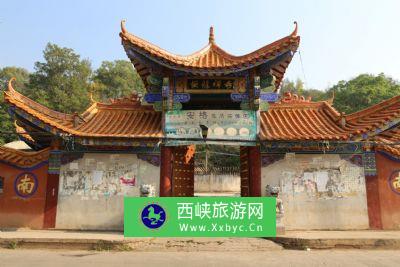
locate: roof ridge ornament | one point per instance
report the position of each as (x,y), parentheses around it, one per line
(288,97)
(294,33)
(91,97)
(330,100)
(211,38)
(123,29)
(10,87)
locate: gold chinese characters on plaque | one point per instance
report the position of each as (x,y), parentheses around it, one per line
(218,85)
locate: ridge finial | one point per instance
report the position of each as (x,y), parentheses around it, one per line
(211,38)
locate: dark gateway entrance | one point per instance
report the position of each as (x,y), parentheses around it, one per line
(177,171)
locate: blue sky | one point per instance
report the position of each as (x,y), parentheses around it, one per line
(340,39)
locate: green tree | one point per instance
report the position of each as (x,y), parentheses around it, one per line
(287,86)
(62,81)
(363,91)
(299,89)
(315,94)
(293,87)
(7,129)
(116,79)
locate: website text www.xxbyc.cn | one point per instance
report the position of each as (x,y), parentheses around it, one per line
(223,228)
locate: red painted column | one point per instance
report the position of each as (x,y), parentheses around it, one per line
(254,159)
(373,202)
(166,172)
(244,171)
(373,194)
(50,209)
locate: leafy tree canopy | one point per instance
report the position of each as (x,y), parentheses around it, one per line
(116,79)
(299,89)
(363,91)
(62,81)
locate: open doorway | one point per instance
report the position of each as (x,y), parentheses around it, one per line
(217,170)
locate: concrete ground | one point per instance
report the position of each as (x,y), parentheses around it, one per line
(367,239)
(31,258)
(116,241)
(343,234)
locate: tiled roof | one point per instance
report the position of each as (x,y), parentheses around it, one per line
(375,118)
(211,58)
(23,159)
(389,141)
(295,118)
(299,119)
(122,118)
(291,119)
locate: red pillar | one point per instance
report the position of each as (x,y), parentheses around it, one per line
(373,202)
(166,172)
(373,190)
(254,156)
(244,172)
(50,209)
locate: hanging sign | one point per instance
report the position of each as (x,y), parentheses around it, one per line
(215,124)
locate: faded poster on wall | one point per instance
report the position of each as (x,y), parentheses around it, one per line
(102,175)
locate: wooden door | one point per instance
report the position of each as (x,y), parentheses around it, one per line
(182,173)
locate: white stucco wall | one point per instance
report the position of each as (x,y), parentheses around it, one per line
(319,191)
(216,183)
(92,189)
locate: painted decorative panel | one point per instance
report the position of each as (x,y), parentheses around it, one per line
(218,124)
(201,85)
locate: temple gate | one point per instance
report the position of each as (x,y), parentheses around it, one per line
(322,160)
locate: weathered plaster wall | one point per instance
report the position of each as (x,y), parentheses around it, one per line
(388,169)
(217,183)
(319,191)
(92,189)
(17,211)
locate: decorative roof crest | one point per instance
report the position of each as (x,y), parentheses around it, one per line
(288,97)
(294,33)
(211,38)
(10,87)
